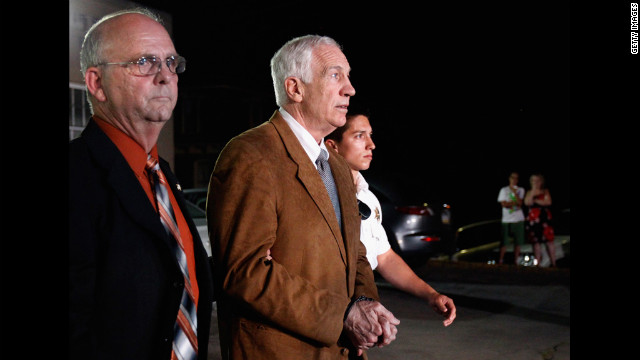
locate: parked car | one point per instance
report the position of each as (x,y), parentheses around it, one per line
(416,232)
(480,242)
(197,196)
(200,219)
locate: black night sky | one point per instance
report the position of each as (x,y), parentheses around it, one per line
(461,92)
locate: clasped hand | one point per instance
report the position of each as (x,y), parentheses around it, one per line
(369,324)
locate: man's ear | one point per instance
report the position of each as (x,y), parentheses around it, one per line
(93,80)
(294,88)
(332,144)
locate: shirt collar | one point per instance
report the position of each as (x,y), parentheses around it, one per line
(132,151)
(304,137)
(361,184)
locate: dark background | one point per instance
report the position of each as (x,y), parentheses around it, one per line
(461,93)
(448,80)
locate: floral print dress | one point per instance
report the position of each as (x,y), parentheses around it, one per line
(538,226)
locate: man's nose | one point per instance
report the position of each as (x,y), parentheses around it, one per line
(348,89)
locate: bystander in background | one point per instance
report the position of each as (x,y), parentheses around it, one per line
(538,226)
(511,198)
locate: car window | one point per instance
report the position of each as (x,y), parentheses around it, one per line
(195,211)
(197,196)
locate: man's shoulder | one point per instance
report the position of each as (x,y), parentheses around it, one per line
(251,146)
(79,158)
(81,152)
(257,138)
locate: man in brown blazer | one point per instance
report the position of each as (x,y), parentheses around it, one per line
(291,276)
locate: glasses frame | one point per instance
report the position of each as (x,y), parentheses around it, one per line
(154,60)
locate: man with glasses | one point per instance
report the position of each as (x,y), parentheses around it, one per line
(140,279)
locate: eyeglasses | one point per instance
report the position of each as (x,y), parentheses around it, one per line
(364,210)
(150,65)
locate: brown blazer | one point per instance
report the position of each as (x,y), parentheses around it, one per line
(265,193)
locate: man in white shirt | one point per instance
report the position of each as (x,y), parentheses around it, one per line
(510,198)
(353,141)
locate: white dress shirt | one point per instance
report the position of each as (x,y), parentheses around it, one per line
(309,144)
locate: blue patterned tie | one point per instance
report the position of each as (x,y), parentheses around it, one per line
(185,341)
(327,178)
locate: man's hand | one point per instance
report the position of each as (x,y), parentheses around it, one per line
(444,305)
(369,324)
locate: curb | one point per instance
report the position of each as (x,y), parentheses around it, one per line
(473,272)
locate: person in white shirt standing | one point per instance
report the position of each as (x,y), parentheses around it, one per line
(353,141)
(510,198)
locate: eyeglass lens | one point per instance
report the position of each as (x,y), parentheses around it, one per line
(151,65)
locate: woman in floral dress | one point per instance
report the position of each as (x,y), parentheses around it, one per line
(538,226)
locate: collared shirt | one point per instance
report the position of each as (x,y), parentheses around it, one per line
(137,159)
(372,233)
(309,144)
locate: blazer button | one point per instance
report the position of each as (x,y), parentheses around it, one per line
(178,284)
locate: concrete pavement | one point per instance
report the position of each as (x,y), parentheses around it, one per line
(493,322)
(503,312)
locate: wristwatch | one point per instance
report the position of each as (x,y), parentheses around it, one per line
(359,298)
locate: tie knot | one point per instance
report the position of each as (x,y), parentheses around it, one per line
(323,156)
(152,163)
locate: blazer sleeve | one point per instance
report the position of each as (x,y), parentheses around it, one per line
(243,221)
(82,249)
(365,281)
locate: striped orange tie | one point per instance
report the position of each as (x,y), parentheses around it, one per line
(185,341)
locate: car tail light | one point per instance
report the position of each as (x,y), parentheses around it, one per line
(430,238)
(445,215)
(415,210)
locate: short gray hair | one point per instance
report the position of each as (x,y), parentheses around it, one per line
(91,51)
(294,59)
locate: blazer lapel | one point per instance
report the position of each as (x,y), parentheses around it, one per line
(135,202)
(124,183)
(310,179)
(178,195)
(346,194)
